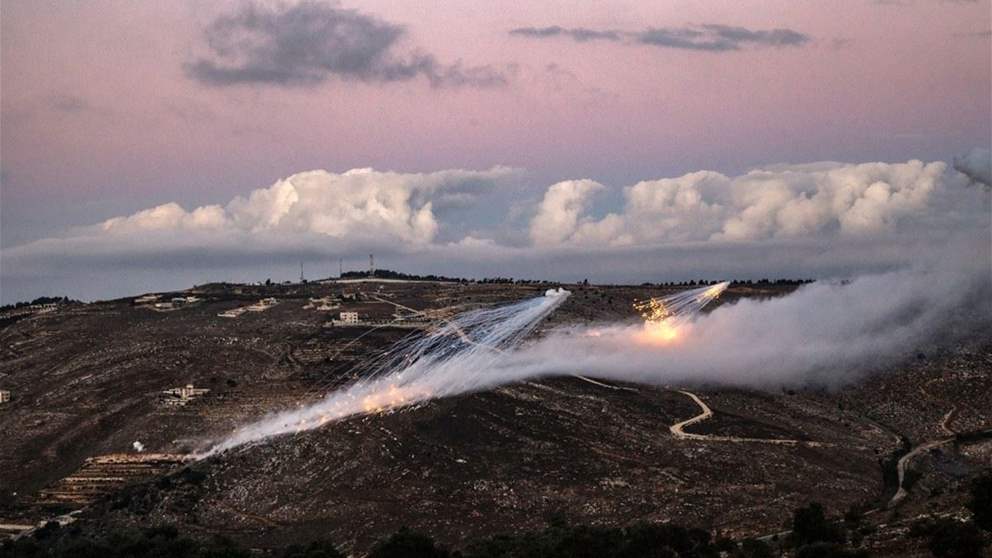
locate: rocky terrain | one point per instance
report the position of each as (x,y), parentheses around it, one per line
(87,381)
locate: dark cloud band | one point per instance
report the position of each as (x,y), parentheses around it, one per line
(708,37)
(307,43)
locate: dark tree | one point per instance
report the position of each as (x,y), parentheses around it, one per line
(408,544)
(950,538)
(810,525)
(981,501)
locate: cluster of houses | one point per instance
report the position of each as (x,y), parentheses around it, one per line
(180,396)
(260,306)
(155,302)
(4,396)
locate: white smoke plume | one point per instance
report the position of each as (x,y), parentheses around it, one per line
(826,334)
(454,358)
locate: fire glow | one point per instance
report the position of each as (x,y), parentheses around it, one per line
(668,320)
(458,356)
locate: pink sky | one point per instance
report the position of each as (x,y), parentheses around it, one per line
(100,119)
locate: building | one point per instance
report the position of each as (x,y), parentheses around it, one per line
(180,396)
(4,396)
(146,299)
(263,305)
(349,318)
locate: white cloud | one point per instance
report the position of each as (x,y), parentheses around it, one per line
(813,220)
(780,202)
(361,204)
(558,214)
(976,165)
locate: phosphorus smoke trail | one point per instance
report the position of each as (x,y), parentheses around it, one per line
(453,358)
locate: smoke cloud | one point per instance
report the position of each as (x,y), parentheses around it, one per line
(825,335)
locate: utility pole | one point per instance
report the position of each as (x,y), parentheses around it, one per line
(301,273)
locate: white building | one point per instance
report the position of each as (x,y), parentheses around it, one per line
(183,395)
(349,318)
(4,396)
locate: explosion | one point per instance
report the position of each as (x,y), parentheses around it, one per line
(668,319)
(459,355)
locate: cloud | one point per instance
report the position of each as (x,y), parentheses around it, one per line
(558,215)
(780,202)
(719,38)
(307,43)
(359,204)
(977,166)
(813,220)
(579,34)
(708,37)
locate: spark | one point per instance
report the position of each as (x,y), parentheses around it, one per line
(458,356)
(667,320)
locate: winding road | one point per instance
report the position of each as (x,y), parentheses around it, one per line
(678,430)
(905,460)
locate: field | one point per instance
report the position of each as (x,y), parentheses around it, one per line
(87,382)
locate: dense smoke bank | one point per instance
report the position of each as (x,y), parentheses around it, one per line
(825,334)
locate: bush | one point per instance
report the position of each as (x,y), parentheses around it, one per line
(810,525)
(950,538)
(316,549)
(408,544)
(828,550)
(753,548)
(981,501)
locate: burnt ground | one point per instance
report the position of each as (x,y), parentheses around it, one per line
(87,380)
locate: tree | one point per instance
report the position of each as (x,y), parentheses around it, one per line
(981,501)
(810,525)
(316,549)
(753,548)
(950,538)
(408,544)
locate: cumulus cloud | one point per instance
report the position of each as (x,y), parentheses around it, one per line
(780,202)
(710,37)
(358,204)
(814,220)
(306,43)
(558,215)
(977,166)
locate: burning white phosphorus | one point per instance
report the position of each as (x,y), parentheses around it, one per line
(667,319)
(454,358)
(824,334)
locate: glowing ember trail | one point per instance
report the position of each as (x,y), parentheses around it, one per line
(456,357)
(668,319)
(474,351)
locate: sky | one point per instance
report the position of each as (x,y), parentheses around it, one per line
(148,146)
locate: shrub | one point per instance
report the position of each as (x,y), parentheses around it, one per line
(408,544)
(810,525)
(980,503)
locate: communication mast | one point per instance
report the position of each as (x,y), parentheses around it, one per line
(371,265)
